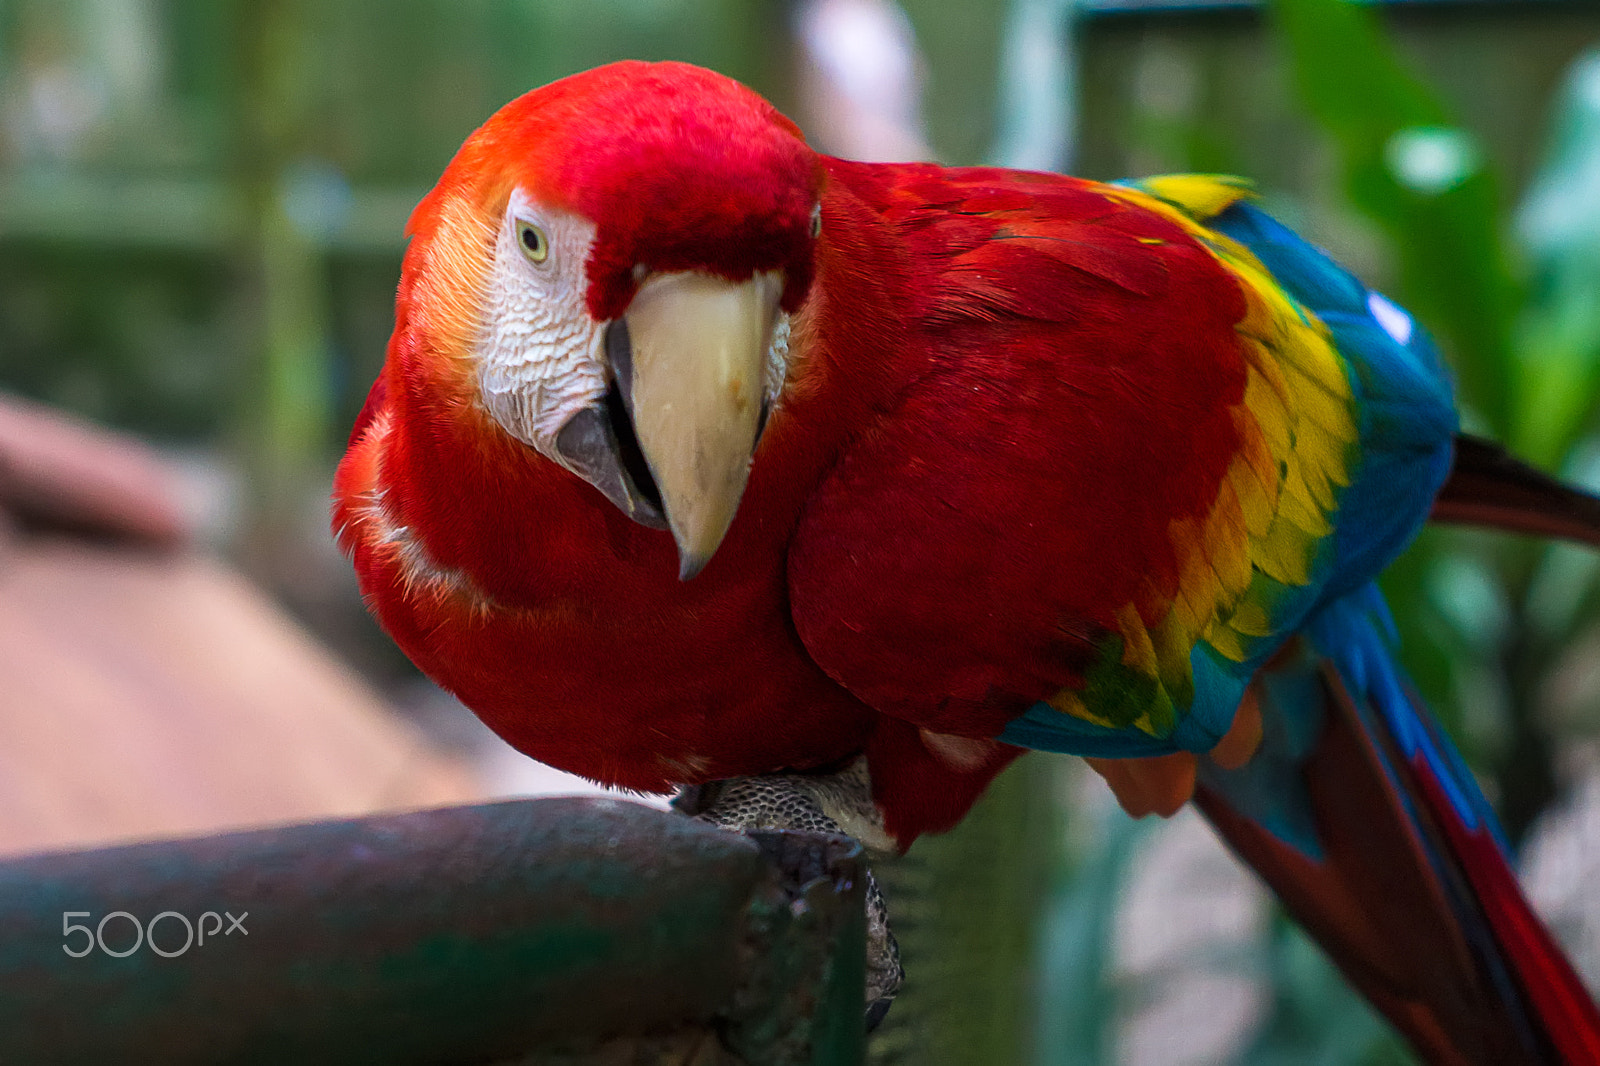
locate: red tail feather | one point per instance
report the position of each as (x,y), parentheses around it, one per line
(1490,487)
(1556,995)
(1421,914)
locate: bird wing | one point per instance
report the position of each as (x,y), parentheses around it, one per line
(1146,430)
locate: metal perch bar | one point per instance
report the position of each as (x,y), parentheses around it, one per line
(533,931)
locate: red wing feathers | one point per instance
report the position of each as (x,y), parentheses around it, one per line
(1066,401)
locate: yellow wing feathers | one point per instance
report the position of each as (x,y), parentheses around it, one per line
(1297,432)
(1297,429)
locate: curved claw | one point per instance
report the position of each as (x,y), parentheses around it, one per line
(792,802)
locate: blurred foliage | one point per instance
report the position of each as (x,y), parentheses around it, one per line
(1420,177)
(202,200)
(201,204)
(1080,1002)
(967,909)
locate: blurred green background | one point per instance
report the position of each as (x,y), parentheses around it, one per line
(201,206)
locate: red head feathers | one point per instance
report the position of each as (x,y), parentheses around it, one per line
(680,168)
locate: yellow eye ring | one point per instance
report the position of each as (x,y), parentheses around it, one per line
(535,245)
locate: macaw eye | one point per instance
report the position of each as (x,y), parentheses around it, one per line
(816,222)
(535,245)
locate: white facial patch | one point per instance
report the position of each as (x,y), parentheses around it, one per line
(541,356)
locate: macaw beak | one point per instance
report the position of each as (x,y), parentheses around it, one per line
(690,362)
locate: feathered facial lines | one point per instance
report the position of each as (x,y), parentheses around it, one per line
(541,356)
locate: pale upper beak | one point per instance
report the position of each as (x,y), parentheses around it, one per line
(689,360)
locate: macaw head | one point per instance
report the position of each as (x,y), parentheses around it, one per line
(615,255)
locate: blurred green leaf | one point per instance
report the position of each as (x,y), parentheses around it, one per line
(1078,1002)
(967,907)
(1558,337)
(1422,178)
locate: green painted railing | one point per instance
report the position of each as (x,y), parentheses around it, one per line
(535,931)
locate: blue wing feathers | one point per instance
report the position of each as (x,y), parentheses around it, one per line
(1404,398)
(1351,632)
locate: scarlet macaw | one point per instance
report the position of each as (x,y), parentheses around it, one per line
(1037,463)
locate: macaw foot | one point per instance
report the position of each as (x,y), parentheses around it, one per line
(838,803)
